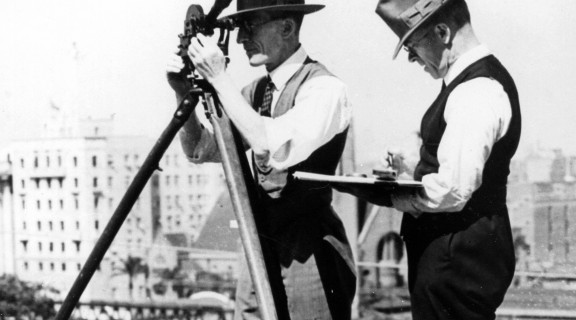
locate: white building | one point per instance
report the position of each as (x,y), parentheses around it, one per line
(58,192)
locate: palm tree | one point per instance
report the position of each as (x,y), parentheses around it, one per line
(132,266)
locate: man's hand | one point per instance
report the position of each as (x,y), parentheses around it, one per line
(207,58)
(175,76)
(404,201)
(396,159)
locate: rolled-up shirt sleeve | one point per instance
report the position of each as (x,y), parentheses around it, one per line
(200,146)
(477,115)
(321,111)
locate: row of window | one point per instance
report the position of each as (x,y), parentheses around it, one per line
(50,246)
(60,182)
(49,161)
(200,180)
(50,266)
(50,225)
(196,201)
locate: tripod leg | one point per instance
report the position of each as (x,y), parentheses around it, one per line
(237,171)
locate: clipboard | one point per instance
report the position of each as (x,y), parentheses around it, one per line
(355,180)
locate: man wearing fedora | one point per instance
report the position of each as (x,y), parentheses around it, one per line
(294,118)
(456,230)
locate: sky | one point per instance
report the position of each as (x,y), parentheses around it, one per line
(103,58)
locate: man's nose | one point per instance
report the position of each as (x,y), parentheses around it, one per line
(412,56)
(242,35)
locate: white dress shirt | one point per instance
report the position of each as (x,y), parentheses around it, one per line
(321,111)
(477,115)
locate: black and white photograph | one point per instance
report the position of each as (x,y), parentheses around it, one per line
(287,160)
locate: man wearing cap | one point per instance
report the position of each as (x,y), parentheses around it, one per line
(457,230)
(295,118)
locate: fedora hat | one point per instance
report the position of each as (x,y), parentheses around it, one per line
(405,16)
(247,7)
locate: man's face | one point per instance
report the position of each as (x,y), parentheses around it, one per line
(428,49)
(261,37)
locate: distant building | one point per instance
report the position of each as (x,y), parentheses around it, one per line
(542,209)
(58,192)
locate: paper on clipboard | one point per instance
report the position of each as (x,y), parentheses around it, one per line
(344,180)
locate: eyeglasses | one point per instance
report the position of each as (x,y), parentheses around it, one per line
(409,47)
(251,27)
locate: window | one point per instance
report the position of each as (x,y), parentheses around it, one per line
(23,184)
(62,225)
(24,225)
(26,265)
(40,266)
(63,266)
(59,160)
(167,180)
(49,182)
(21,163)
(47,161)
(51,247)
(75,161)
(176,180)
(110,181)
(49,204)
(76,203)
(40,246)
(23,204)
(78,266)
(96,201)
(24,245)
(76,182)
(51,266)
(35,162)
(77,243)
(97,225)
(63,247)
(95,182)
(77,225)
(50,225)
(61,203)
(39,225)
(38,204)
(94,161)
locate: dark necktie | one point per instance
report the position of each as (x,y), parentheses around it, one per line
(265,107)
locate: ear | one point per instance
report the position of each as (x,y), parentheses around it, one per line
(443,33)
(288,28)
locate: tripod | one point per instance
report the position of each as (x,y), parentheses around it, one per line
(236,169)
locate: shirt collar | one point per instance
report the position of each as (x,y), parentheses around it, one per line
(465,60)
(288,68)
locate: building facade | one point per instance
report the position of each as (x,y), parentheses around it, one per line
(58,192)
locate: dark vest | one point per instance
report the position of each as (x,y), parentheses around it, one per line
(490,198)
(277,187)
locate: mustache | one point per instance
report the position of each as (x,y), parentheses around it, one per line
(250,46)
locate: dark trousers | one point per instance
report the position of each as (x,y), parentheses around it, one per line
(461,275)
(320,286)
